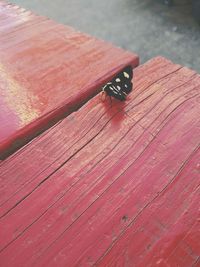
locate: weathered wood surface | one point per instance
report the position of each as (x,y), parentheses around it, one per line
(47,70)
(110,186)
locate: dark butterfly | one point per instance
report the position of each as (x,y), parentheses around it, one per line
(120,86)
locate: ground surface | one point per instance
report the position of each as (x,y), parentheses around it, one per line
(146,27)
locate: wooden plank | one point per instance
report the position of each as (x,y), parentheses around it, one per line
(47,70)
(122,186)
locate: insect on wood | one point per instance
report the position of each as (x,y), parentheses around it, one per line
(120,86)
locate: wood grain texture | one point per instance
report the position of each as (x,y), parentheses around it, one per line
(47,70)
(110,185)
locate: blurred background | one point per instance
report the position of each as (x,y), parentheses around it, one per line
(146,27)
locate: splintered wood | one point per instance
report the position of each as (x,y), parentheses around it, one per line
(110,185)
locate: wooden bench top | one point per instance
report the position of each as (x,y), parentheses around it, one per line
(110,185)
(47,70)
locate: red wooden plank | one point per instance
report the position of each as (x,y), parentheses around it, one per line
(122,186)
(103,222)
(47,70)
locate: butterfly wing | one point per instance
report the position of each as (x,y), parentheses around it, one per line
(121,84)
(126,74)
(124,79)
(114,91)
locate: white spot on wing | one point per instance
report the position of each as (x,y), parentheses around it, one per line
(118,80)
(126,74)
